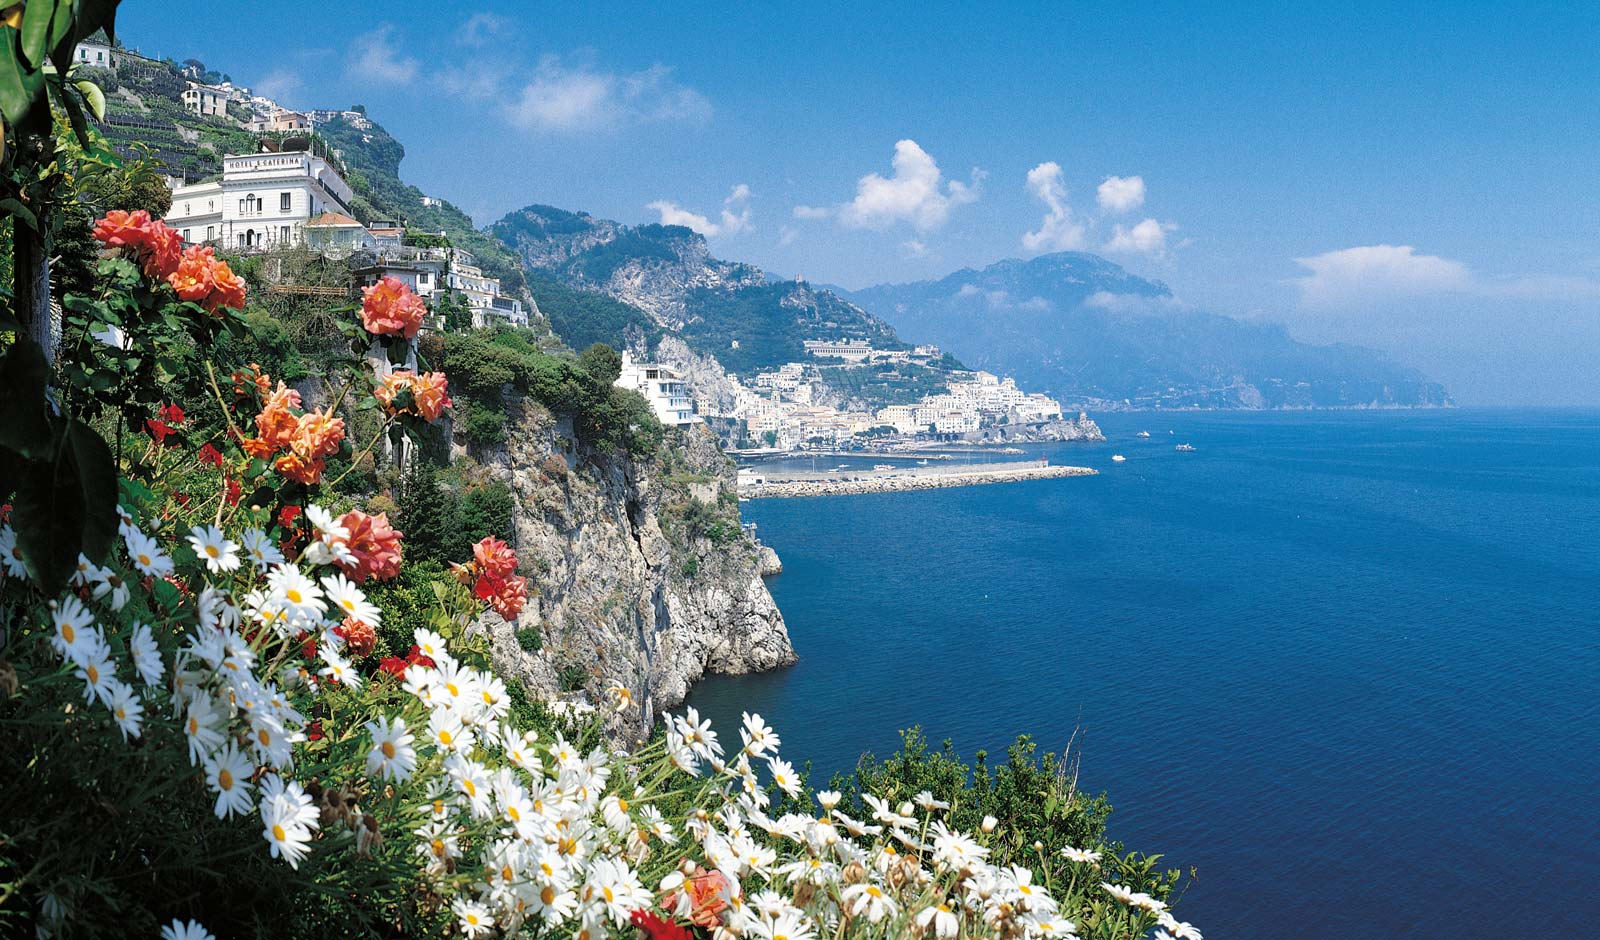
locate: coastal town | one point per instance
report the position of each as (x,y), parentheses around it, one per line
(291,194)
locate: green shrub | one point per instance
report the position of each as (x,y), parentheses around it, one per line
(530,639)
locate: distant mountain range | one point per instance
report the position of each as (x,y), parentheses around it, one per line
(1088,331)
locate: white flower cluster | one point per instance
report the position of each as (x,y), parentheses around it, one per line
(216,692)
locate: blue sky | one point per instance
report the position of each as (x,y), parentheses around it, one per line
(1419,179)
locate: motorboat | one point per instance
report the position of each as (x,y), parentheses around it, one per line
(1117,458)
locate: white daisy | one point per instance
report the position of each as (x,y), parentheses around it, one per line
(1081,856)
(111,588)
(758,736)
(181,930)
(228,772)
(199,726)
(446,731)
(146,654)
(218,552)
(475,919)
(338,668)
(260,549)
(72,634)
(126,708)
(146,555)
(288,816)
(97,671)
(10,554)
(392,755)
(869,901)
(430,644)
(784,776)
(297,595)
(350,601)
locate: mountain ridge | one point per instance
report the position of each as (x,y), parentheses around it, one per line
(1090,332)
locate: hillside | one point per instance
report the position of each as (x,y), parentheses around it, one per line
(720,308)
(1089,331)
(144,108)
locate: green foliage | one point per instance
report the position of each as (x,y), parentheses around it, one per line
(484,364)
(444,514)
(530,639)
(572,676)
(408,602)
(484,425)
(583,317)
(770,332)
(1033,797)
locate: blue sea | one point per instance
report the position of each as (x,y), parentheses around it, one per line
(1346,666)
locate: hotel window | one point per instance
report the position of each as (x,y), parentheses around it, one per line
(211,232)
(283,233)
(186,235)
(283,202)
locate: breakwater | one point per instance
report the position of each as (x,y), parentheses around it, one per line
(901,480)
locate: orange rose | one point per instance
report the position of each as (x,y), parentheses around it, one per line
(390,307)
(317,435)
(375,543)
(195,275)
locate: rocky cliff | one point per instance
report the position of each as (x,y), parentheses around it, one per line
(1080,427)
(644,577)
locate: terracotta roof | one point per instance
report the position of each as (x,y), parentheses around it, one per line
(334,218)
(387,231)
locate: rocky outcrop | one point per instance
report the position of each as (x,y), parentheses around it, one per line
(635,577)
(907,480)
(1080,428)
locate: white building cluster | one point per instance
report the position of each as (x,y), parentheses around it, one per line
(662,387)
(783,407)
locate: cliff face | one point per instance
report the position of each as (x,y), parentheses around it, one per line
(643,576)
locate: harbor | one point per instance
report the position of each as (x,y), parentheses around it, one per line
(765,483)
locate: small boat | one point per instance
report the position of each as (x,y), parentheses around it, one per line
(1185,448)
(883,466)
(1117,458)
(1142,434)
(922,463)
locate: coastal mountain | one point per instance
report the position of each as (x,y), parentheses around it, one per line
(726,309)
(1088,331)
(658,291)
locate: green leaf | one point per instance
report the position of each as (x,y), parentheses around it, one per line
(24,413)
(36,19)
(18,209)
(66,505)
(93,97)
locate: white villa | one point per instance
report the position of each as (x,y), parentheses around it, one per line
(263,200)
(206,100)
(850,350)
(662,387)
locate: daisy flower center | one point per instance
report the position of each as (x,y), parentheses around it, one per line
(278,833)
(94,674)
(225,781)
(445,737)
(144,560)
(293,595)
(212,551)
(67,633)
(388,750)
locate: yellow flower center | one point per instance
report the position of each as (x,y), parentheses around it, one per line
(873,890)
(487,698)
(514,813)
(213,552)
(225,780)
(144,560)
(472,919)
(451,688)
(469,786)
(388,749)
(610,897)
(347,604)
(293,594)
(278,833)
(122,713)
(94,674)
(194,726)
(445,737)
(548,895)
(264,736)
(67,633)
(506,873)
(438,848)
(622,804)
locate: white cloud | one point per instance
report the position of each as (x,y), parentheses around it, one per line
(787,234)
(482,27)
(280,85)
(1378,269)
(735,216)
(375,58)
(1120,194)
(1001,300)
(1148,237)
(1058,231)
(1133,303)
(917,193)
(914,248)
(812,212)
(565,99)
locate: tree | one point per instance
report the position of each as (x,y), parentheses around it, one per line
(602,363)
(427,514)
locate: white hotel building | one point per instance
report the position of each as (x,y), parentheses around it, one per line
(662,387)
(263,200)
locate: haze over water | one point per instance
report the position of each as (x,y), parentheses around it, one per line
(1344,664)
